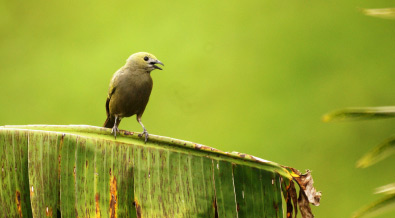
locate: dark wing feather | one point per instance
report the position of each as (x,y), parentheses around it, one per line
(109,123)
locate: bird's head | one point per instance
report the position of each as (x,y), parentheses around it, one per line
(145,61)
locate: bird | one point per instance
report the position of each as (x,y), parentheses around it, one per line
(129,90)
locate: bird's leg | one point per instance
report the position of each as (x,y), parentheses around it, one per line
(115,129)
(145,131)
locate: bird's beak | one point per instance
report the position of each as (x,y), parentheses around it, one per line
(156,62)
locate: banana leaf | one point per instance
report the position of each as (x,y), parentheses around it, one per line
(378,153)
(82,171)
(386,13)
(360,113)
(378,207)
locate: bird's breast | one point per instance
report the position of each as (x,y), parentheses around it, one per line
(132,95)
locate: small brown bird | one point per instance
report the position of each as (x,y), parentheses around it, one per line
(130,89)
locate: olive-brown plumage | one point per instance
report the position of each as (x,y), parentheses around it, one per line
(130,89)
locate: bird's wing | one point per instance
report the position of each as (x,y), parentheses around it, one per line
(108,106)
(111,90)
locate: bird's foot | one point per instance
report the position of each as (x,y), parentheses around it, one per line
(146,136)
(114,131)
(145,133)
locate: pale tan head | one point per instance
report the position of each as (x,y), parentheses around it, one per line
(144,60)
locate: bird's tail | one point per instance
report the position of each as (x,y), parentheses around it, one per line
(109,122)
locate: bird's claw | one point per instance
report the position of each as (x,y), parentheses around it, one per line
(145,133)
(146,136)
(114,131)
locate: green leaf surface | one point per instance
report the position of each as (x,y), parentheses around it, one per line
(381,206)
(364,113)
(386,189)
(43,173)
(386,13)
(14,182)
(378,153)
(82,171)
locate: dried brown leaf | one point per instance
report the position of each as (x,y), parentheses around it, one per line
(304,205)
(306,182)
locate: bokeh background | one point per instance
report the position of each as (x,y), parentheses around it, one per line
(247,76)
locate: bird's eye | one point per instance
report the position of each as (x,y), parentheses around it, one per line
(146,58)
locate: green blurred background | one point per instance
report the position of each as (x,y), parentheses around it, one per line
(248,76)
